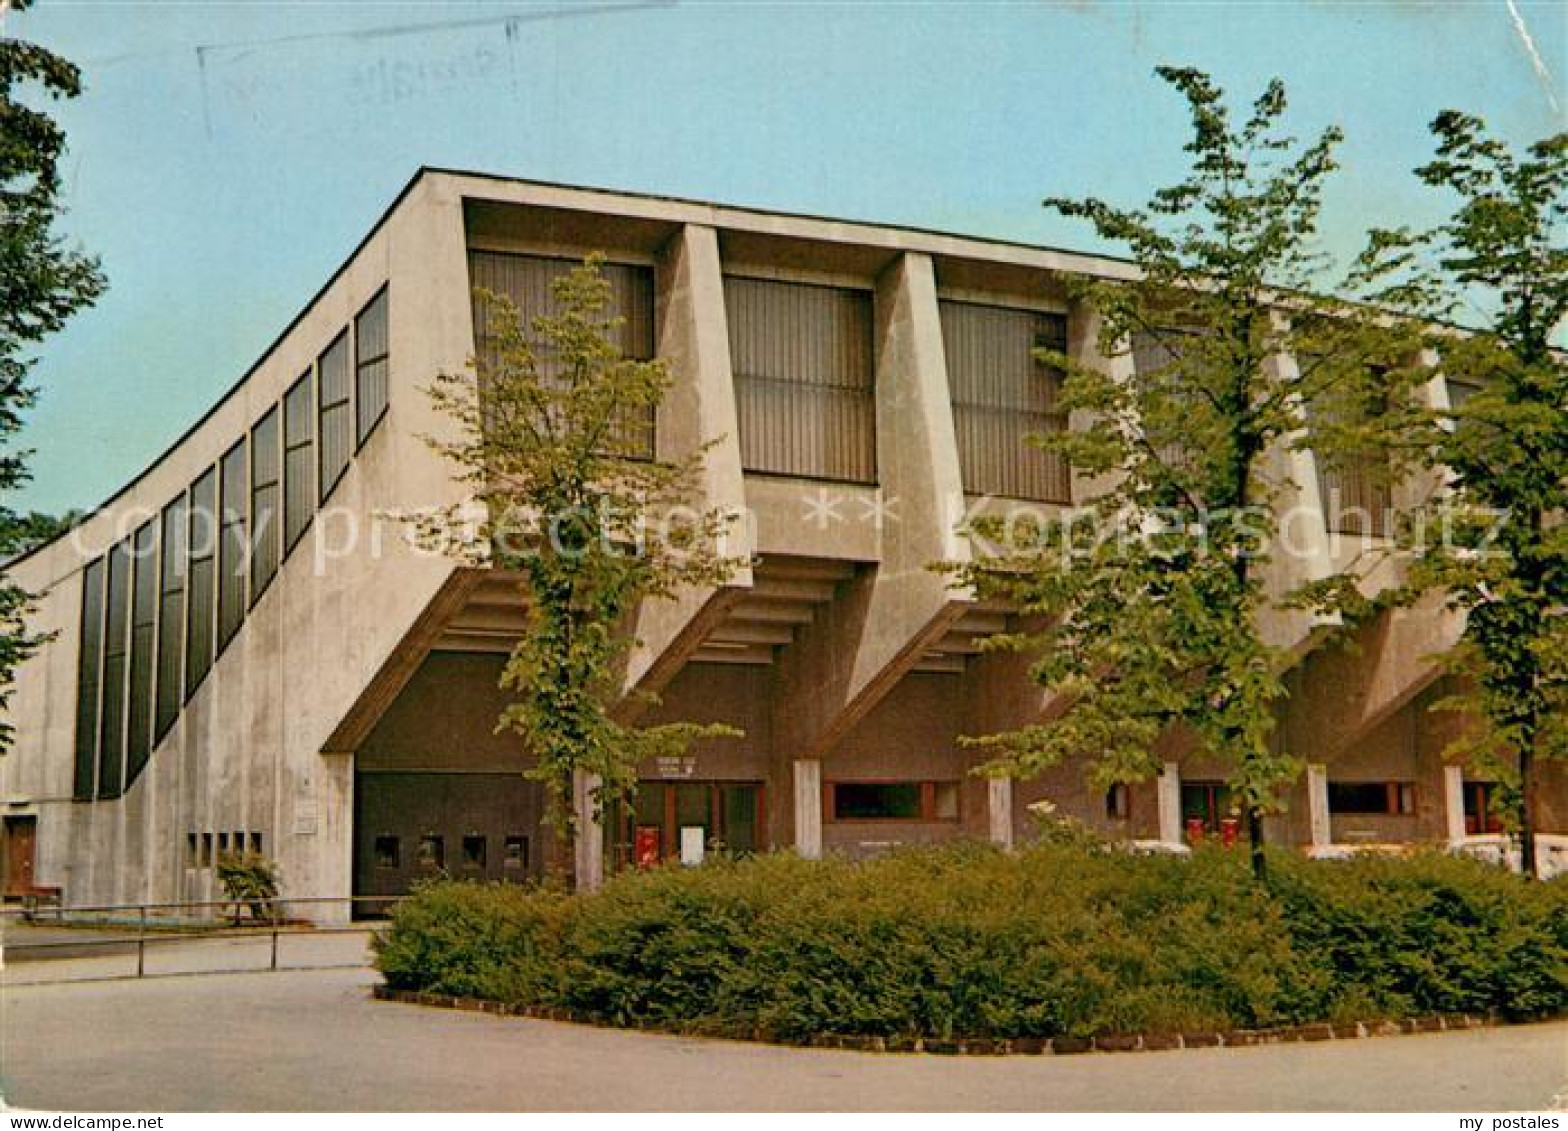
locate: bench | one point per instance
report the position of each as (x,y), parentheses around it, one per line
(37,897)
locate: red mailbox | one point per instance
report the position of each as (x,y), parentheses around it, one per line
(645,849)
(1230,831)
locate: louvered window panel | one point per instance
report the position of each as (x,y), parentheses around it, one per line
(299,462)
(804,378)
(266,519)
(1002,395)
(371,363)
(526,281)
(231,544)
(334,407)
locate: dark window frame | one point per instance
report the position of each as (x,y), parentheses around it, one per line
(89,662)
(302,392)
(1479,804)
(172,623)
(142,651)
(1382,798)
(926,794)
(111,755)
(263,566)
(359,364)
(198,556)
(327,483)
(233,519)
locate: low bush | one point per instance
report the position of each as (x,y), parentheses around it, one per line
(968,941)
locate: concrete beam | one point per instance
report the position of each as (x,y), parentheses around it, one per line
(699,410)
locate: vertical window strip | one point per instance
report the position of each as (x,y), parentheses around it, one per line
(89,680)
(804,373)
(171,617)
(201,548)
(299,462)
(335,422)
(266,523)
(144,622)
(111,731)
(231,545)
(371,348)
(1002,395)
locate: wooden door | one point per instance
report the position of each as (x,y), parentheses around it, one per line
(21,838)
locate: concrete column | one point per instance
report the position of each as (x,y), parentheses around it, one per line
(808,808)
(698,410)
(1169,801)
(999,799)
(842,664)
(589,862)
(1301,550)
(1084,325)
(1317,805)
(1454,801)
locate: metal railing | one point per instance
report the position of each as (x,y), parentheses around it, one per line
(139,927)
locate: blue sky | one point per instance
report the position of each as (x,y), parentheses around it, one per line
(226,157)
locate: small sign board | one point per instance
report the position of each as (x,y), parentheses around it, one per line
(692,845)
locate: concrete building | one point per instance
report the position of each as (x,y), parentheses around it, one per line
(249,654)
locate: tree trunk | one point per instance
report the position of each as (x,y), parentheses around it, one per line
(1260,866)
(561,856)
(1527,858)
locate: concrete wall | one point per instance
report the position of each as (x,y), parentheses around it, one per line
(245,752)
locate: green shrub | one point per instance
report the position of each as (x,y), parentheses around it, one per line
(250,880)
(1431,933)
(968,941)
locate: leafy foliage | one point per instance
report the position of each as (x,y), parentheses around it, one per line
(42,283)
(545,422)
(1503,556)
(250,880)
(1155,594)
(969,941)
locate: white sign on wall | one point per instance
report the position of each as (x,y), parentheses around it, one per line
(692,845)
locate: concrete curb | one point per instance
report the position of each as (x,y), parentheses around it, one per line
(981,1046)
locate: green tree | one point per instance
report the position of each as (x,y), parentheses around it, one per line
(1495,542)
(42,283)
(1154,594)
(549,421)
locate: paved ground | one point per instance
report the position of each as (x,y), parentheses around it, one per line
(314,1040)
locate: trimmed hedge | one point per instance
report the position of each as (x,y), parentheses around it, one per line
(970,942)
